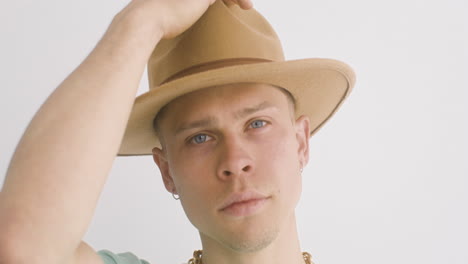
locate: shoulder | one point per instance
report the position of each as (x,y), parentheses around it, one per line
(120,258)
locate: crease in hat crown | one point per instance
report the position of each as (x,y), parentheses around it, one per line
(230,45)
(222,34)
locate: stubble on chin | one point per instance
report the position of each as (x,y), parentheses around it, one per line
(253,242)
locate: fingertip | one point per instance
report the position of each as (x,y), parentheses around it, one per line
(246,4)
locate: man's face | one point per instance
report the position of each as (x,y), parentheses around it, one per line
(237,142)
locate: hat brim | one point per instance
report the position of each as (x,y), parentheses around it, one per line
(318,85)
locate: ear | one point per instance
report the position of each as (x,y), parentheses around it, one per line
(160,159)
(302,137)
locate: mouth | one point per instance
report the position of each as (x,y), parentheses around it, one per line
(243,203)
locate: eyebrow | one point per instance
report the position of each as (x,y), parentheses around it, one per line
(211,120)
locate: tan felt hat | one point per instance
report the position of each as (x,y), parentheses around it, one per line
(230,45)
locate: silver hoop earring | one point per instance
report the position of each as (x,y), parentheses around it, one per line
(175,196)
(302,169)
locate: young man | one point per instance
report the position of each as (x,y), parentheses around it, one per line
(227,121)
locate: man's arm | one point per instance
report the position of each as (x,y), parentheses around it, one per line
(62,161)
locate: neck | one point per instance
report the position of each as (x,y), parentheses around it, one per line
(284,248)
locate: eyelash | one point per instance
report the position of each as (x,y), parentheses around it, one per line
(192,139)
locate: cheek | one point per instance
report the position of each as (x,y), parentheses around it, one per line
(194,193)
(189,169)
(190,175)
(281,161)
(279,150)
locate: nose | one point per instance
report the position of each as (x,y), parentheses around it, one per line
(234,159)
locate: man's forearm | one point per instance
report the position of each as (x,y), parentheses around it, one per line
(62,161)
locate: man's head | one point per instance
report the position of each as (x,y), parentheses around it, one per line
(229,142)
(243,47)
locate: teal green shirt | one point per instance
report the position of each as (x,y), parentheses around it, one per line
(122,258)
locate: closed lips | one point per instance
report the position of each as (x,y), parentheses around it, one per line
(241,197)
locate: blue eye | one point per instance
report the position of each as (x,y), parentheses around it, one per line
(257,124)
(200,138)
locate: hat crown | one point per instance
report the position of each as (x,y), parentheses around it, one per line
(224,35)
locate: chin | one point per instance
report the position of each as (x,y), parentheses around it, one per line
(249,240)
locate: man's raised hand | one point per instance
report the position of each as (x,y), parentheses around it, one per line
(170,18)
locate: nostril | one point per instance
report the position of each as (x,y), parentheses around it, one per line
(231,173)
(246,168)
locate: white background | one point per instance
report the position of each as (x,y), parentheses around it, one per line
(388,175)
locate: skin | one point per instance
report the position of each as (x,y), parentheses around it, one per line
(262,150)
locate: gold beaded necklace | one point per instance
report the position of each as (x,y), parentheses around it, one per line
(197,257)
